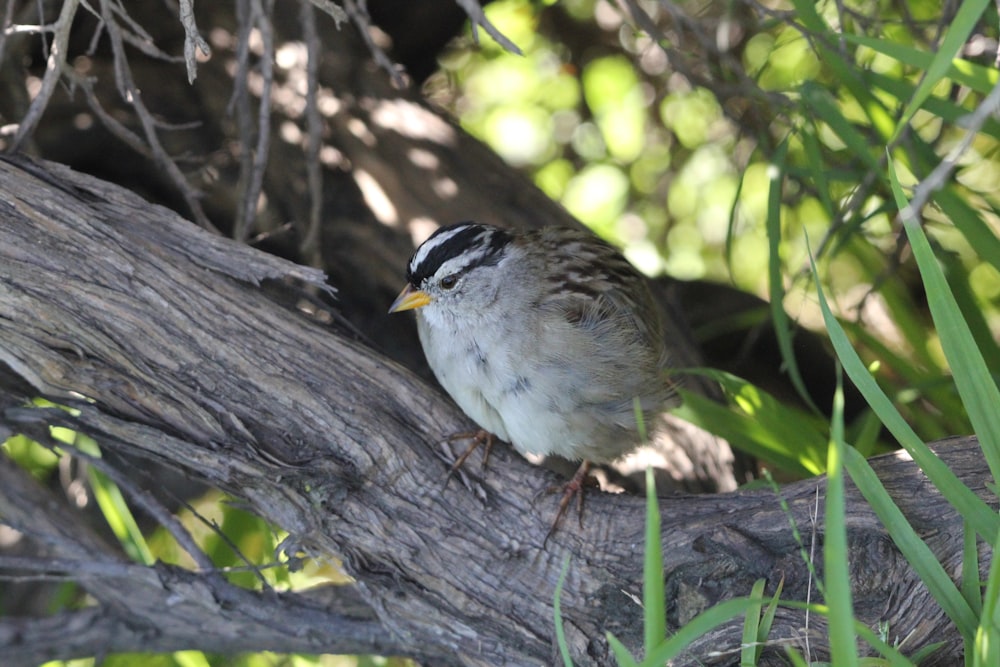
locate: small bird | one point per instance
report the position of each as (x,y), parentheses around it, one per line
(547,339)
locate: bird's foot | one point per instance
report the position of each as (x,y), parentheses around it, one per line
(480,437)
(574,487)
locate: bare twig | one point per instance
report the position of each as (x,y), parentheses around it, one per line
(142,498)
(64,569)
(362,21)
(138,37)
(7,24)
(192,39)
(53,72)
(112,124)
(989,107)
(131,94)
(314,136)
(254,162)
(335,11)
(474,10)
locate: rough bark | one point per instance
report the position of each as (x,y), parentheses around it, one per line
(175,346)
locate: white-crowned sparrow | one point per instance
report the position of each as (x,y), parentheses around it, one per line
(545,338)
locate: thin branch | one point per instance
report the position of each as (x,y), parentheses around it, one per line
(64,569)
(254,161)
(192,39)
(475,12)
(362,21)
(131,94)
(7,26)
(934,181)
(335,11)
(314,136)
(138,37)
(142,498)
(53,72)
(110,123)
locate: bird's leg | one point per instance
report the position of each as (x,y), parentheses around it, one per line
(573,487)
(479,437)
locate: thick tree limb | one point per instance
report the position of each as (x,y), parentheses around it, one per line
(183,359)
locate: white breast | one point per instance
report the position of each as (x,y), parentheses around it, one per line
(459,365)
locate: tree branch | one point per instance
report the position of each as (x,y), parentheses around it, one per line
(183,358)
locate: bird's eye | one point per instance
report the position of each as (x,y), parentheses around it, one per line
(449,282)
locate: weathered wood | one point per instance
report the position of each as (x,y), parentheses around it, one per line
(183,358)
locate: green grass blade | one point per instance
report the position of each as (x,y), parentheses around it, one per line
(653,594)
(782,327)
(846,73)
(751,626)
(986,651)
(977,77)
(768,619)
(970,570)
(969,505)
(960,28)
(979,392)
(889,654)
(557,611)
(760,431)
(843,641)
(917,553)
(979,235)
(622,656)
(114,508)
(822,104)
(795,658)
(700,625)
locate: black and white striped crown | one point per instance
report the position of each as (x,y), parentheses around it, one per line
(477,244)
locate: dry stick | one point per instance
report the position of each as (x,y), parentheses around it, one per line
(192,39)
(53,71)
(150,504)
(335,11)
(141,39)
(130,93)
(8,19)
(362,20)
(935,180)
(258,157)
(65,569)
(475,13)
(110,123)
(239,103)
(314,136)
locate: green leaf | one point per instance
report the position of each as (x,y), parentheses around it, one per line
(959,29)
(557,611)
(977,77)
(653,594)
(986,652)
(782,328)
(113,506)
(916,552)
(837,579)
(777,434)
(979,392)
(754,630)
(699,625)
(969,505)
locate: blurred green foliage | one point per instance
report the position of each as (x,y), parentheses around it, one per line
(731,124)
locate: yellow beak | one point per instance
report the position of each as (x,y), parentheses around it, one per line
(409,299)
